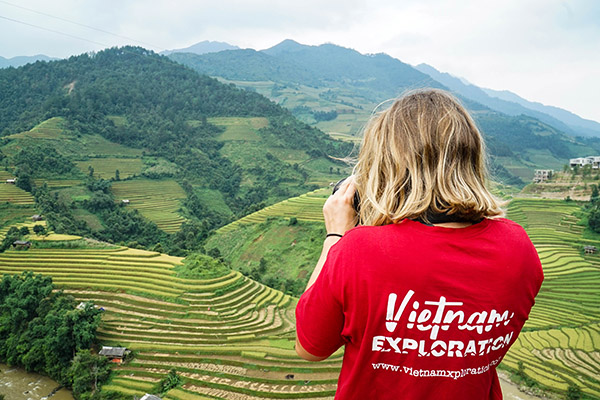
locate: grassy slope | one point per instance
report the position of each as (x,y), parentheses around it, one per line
(354,112)
(159,201)
(244,146)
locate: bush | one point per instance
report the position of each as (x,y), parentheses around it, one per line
(573,392)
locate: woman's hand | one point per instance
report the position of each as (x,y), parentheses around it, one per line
(338,210)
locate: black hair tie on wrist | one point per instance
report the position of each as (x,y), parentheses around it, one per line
(333,234)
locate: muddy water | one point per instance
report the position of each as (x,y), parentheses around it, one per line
(17,384)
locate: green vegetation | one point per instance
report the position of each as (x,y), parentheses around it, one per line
(42,329)
(156,200)
(12,194)
(106,167)
(88,371)
(277,252)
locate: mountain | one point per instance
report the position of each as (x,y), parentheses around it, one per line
(203,47)
(336,88)
(326,65)
(22,60)
(511,104)
(127,124)
(580,125)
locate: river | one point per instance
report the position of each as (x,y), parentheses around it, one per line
(18,384)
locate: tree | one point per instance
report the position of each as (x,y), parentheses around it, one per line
(573,392)
(595,196)
(90,171)
(87,372)
(117,175)
(41,329)
(39,229)
(169,382)
(24,230)
(24,182)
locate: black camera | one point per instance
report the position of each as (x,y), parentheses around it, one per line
(355,200)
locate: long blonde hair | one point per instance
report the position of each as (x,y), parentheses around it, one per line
(424,155)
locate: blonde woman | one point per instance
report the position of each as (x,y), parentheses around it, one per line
(431,289)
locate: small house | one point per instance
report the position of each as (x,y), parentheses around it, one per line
(21,244)
(594,161)
(125,201)
(542,175)
(589,249)
(11,180)
(36,218)
(115,354)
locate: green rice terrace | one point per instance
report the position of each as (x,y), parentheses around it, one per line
(560,343)
(307,207)
(157,200)
(230,337)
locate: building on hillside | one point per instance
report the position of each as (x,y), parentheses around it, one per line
(594,161)
(589,249)
(11,180)
(21,244)
(115,354)
(542,175)
(36,218)
(125,201)
(81,306)
(150,397)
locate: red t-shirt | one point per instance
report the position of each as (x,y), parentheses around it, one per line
(424,312)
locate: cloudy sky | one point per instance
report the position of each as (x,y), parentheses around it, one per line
(543,50)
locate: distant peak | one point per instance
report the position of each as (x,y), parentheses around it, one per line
(287,45)
(206,46)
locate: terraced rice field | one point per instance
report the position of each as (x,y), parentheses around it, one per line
(307,207)
(237,128)
(10,193)
(55,132)
(105,167)
(50,129)
(157,200)
(57,183)
(229,337)
(560,344)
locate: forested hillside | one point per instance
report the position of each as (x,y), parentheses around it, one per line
(73,129)
(336,89)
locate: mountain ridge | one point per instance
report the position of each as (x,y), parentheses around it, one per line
(334,88)
(512,104)
(203,47)
(19,61)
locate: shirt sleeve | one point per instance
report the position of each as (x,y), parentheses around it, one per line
(320,315)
